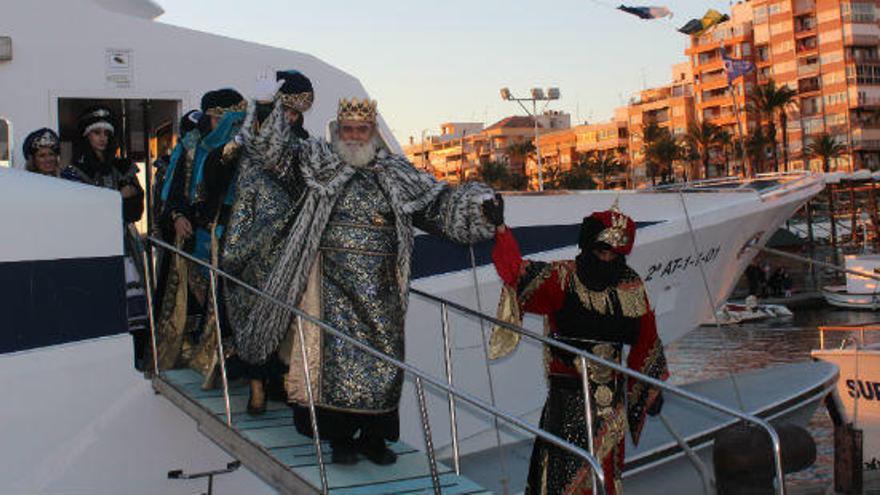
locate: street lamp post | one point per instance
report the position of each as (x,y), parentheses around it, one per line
(537,94)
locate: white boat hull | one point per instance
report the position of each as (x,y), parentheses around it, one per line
(836,295)
(858,395)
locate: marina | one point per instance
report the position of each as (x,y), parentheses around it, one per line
(306,308)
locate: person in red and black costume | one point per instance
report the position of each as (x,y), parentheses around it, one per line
(597,303)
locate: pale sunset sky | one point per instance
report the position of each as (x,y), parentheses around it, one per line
(429,62)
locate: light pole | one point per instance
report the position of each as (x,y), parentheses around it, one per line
(537,94)
(424,154)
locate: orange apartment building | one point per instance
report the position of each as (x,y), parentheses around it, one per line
(462,147)
(826,50)
(564,148)
(670,107)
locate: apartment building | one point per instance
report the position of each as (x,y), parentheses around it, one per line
(460,148)
(670,107)
(825,50)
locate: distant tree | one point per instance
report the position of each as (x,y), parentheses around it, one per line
(660,149)
(517,182)
(603,165)
(725,143)
(579,177)
(703,136)
(770,101)
(518,153)
(495,174)
(825,147)
(756,144)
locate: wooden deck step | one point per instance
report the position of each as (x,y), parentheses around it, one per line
(270,446)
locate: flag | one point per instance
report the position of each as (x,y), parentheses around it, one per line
(646,12)
(696,27)
(735,67)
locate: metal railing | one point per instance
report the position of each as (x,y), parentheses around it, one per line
(585,357)
(419,376)
(861,328)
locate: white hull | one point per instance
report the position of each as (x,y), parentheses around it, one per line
(858,395)
(78,419)
(837,295)
(723,224)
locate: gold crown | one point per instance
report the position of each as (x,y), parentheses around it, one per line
(615,235)
(220,111)
(301,102)
(357,110)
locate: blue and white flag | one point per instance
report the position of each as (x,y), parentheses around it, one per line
(736,67)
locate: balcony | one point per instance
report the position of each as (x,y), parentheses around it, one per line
(808,69)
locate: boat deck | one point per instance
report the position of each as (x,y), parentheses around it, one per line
(271,448)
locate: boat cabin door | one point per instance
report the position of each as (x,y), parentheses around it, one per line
(146,130)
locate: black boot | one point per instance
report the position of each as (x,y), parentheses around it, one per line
(375,449)
(343,452)
(257,402)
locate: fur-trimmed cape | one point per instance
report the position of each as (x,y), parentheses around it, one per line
(282,210)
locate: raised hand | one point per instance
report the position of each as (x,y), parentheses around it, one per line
(493,210)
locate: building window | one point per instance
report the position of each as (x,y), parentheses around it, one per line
(760,14)
(857,12)
(813,125)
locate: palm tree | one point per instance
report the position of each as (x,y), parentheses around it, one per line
(579,177)
(660,150)
(604,164)
(518,153)
(725,140)
(768,101)
(495,174)
(703,137)
(826,147)
(756,143)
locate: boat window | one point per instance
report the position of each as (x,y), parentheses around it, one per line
(5,143)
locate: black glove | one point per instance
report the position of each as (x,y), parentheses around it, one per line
(657,406)
(493,210)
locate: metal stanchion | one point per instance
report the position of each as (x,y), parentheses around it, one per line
(313,415)
(447,357)
(426,429)
(221,354)
(588,413)
(150,311)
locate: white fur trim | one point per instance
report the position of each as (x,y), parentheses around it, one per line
(98,125)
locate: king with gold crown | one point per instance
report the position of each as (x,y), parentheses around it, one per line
(328,226)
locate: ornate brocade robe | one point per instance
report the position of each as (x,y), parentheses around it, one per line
(336,241)
(600,322)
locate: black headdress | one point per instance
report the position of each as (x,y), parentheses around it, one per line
(296,93)
(216,103)
(41,138)
(98,117)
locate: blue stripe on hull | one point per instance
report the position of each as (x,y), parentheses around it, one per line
(435,256)
(50,302)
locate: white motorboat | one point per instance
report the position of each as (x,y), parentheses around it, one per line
(81,419)
(857,392)
(858,292)
(750,310)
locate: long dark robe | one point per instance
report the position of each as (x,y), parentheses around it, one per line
(598,308)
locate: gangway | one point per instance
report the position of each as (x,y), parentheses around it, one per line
(292,463)
(270,446)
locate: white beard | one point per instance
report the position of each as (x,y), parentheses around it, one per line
(354,153)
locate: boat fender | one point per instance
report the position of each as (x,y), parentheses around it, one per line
(743,457)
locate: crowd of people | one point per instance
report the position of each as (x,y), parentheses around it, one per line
(327,225)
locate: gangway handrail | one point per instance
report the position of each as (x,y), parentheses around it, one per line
(419,375)
(686,394)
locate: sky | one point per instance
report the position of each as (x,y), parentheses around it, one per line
(429,62)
